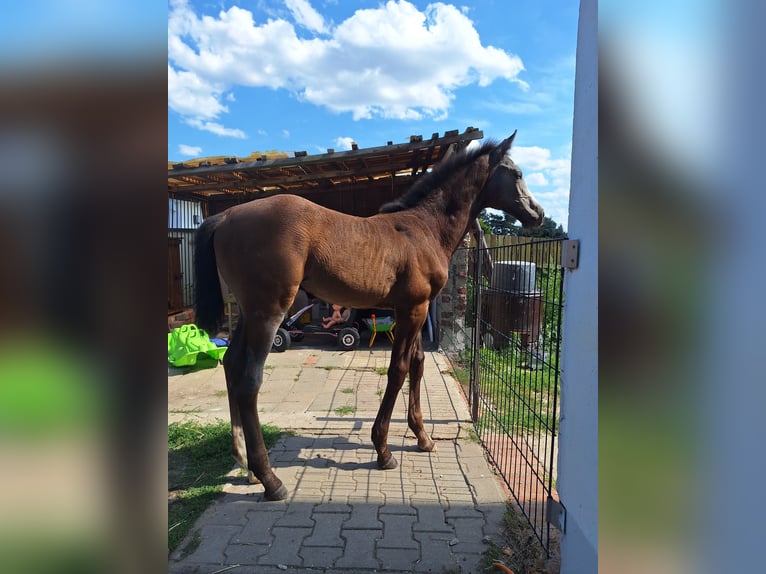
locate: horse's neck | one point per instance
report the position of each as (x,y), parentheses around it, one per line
(450,215)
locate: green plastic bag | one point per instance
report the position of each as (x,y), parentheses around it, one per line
(189,345)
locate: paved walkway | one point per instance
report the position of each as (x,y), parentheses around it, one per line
(435,512)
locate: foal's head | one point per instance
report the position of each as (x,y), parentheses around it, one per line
(506,189)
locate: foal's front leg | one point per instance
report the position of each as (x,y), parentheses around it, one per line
(408,325)
(414,414)
(397,370)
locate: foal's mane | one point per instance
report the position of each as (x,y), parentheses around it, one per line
(431,181)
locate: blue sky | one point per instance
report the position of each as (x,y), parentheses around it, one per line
(296,75)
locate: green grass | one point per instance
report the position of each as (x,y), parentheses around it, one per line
(515,391)
(473,436)
(347,390)
(190,411)
(345,410)
(526,553)
(520,550)
(199,457)
(520,399)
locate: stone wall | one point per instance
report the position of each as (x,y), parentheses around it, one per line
(452,303)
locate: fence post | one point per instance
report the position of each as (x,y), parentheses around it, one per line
(474,398)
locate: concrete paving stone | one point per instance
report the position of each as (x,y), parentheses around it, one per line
(364,516)
(245,553)
(398,558)
(300,441)
(436,554)
(396,502)
(344,515)
(246,489)
(400,508)
(319,473)
(307,495)
(452,490)
(487,489)
(469,548)
(468,531)
(280,377)
(213,542)
(258,529)
(494,518)
(430,517)
(327,530)
(286,545)
(359,550)
(353,454)
(462,511)
(288,456)
(376,476)
(456,495)
(397,531)
(426,489)
(308,483)
(319,557)
(339,506)
(297,515)
(229,512)
(338,489)
(249,569)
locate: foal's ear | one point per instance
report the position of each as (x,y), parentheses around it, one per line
(503,148)
(506,145)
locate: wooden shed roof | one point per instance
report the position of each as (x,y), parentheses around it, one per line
(225,178)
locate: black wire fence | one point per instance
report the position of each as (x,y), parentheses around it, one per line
(509,367)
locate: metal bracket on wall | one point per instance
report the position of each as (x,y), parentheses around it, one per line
(570,253)
(556,514)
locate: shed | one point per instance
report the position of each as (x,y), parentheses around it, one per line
(356,181)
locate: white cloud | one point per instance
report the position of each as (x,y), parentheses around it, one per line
(547,177)
(198,101)
(190,95)
(306,16)
(215,128)
(538,159)
(536,178)
(189,150)
(377,63)
(343,143)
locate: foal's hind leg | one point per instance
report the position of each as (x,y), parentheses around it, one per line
(234,364)
(414,414)
(260,335)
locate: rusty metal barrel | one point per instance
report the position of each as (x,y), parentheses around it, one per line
(512,303)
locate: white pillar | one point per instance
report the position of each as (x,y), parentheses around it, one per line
(577,480)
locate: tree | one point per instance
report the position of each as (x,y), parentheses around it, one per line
(500,223)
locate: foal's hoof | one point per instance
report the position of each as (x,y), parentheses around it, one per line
(251,478)
(279,494)
(390,464)
(429,446)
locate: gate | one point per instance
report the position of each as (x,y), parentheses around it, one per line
(510,367)
(183,219)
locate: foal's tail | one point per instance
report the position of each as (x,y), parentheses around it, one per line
(208,301)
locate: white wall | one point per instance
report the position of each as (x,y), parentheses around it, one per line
(577,480)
